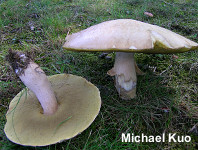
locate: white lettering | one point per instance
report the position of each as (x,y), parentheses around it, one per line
(137,138)
(171,137)
(132,138)
(187,138)
(163,137)
(180,139)
(126,138)
(158,138)
(144,137)
(151,138)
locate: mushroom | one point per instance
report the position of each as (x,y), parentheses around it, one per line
(51,109)
(126,37)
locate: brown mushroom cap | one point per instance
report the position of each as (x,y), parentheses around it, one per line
(127,35)
(79,104)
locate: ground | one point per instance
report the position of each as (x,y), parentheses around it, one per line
(166,95)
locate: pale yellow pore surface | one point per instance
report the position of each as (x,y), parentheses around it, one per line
(127,35)
(79,104)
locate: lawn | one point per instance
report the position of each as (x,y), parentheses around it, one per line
(167,93)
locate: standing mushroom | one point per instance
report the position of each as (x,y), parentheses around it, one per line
(126,37)
(51,109)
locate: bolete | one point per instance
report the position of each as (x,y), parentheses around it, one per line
(51,109)
(126,37)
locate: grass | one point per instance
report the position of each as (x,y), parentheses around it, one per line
(166,95)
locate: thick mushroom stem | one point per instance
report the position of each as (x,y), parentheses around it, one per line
(36,80)
(125,75)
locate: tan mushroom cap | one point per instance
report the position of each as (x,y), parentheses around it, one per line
(79,104)
(127,35)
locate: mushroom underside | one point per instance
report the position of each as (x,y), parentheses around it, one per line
(79,103)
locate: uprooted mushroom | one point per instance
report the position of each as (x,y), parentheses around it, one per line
(126,37)
(51,109)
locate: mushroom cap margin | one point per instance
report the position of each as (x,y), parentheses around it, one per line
(128,35)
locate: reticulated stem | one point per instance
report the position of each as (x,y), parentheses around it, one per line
(125,75)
